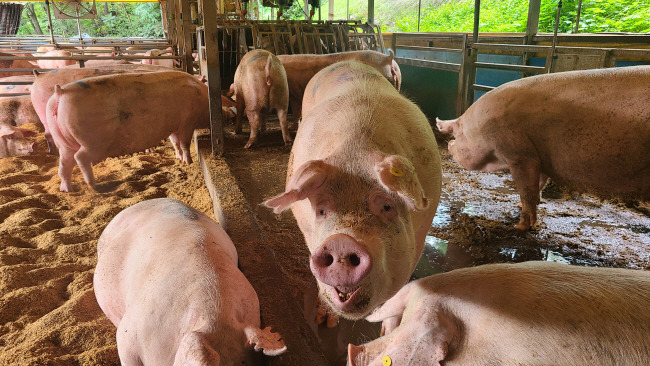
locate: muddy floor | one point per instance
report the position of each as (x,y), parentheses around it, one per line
(474,225)
(48,239)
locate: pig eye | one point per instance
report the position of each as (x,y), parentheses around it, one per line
(387,208)
(321,212)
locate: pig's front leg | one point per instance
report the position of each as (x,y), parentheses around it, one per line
(296,108)
(526,174)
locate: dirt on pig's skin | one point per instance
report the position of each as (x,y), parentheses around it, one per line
(48,240)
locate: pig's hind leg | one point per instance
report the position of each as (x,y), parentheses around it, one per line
(85,161)
(126,345)
(282,116)
(254,118)
(526,174)
(66,164)
(194,349)
(240,113)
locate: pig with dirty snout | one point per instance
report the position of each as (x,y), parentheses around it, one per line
(167,278)
(532,313)
(261,86)
(14,142)
(115,115)
(363,183)
(586,130)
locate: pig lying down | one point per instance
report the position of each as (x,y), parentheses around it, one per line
(587,130)
(114,115)
(167,277)
(13,141)
(363,183)
(533,313)
(261,86)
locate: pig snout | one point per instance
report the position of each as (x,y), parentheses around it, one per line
(341,262)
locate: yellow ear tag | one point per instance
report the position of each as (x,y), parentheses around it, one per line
(386,360)
(396,172)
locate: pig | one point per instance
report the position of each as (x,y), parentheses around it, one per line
(13,141)
(301,68)
(261,85)
(168,63)
(532,313)
(16,88)
(55,64)
(363,182)
(15,64)
(17,111)
(114,115)
(43,87)
(167,278)
(587,130)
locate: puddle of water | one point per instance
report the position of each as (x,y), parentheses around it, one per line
(437,244)
(545,255)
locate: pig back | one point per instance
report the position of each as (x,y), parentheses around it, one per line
(127,113)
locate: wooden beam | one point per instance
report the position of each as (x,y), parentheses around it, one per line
(371,11)
(532,26)
(188,60)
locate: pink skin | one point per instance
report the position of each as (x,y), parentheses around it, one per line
(301,68)
(13,141)
(363,183)
(114,115)
(533,313)
(168,63)
(17,111)
(167,278)
(572,127)
(8,89)
(55,64)
(15,64)
(261,85)
(43,87)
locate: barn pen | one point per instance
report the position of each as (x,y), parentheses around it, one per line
(48,239)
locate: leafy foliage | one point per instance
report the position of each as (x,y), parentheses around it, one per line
(114,20)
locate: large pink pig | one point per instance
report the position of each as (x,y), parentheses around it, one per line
(15,64)
(533,313)
(17,111)
(301,68)
(114,115)
(587,130)
(260,86)
(13,141)
(167,277)
(55,64)
(168,63)
(363,183)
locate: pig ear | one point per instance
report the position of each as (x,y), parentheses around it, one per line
(397,174)
(303,183)
(28,133)
(6,130)
(394,307)
(355,354)
(263,339)
(446,126)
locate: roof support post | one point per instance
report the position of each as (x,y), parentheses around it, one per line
(371,11)
(188,60)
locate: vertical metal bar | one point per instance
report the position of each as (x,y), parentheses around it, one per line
(578,16)
(213,74)
(49,21)
(330,16)
(188,60)
(419,12)
(557,21)
(477,13)
(371,11)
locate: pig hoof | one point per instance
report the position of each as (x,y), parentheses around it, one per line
(65,187)
(523,226)
(248,145)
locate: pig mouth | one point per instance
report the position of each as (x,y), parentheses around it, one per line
(344,298)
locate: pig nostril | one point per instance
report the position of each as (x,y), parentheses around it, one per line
(355,260)
(328,260)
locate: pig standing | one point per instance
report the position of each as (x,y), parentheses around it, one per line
(167,278)
(114,115)
(363,183)
(587,130)
(43,88)
(55,64)
(17,111)
(534,313)
(261,85)
(13,141)
(168,63)
(301,68)
(15,64)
